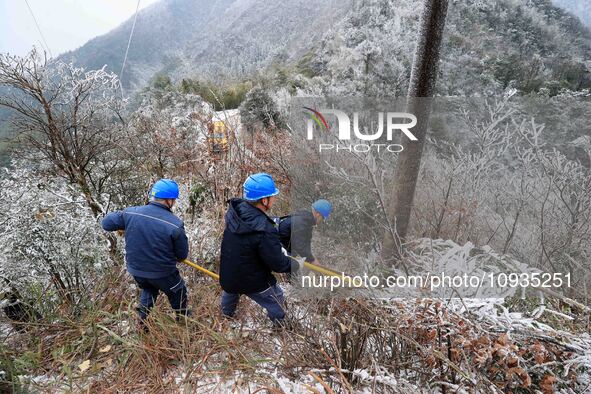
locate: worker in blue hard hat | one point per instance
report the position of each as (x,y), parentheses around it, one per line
(155,241)
(251,251)
(295,230)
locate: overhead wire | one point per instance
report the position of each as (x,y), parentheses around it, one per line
(38,28)
(127,49)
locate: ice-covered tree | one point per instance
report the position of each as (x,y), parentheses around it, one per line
(259,108)
(68,116)
(70,119)
(48,235)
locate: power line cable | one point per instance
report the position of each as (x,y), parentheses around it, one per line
(127,50)
(39,29)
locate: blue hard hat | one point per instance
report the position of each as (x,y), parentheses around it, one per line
(259,186)
(165,188)
(323,207)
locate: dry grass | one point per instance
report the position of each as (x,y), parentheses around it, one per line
(420,344)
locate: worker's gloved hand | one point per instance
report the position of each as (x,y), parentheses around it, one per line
(297,263)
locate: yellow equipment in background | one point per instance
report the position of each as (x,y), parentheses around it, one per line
(217,139)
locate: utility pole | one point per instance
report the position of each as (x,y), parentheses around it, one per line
(422,86)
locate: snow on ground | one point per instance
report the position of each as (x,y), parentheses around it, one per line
(490,313)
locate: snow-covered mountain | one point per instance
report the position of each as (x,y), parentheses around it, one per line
(363,46)
(487,47)
(211,38)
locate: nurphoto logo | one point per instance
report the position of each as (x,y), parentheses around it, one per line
(395,122)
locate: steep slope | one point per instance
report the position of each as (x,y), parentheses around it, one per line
(161,34)
(210,39)
(351,46)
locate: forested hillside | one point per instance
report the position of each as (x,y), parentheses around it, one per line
(211,40)
(488,47)
(353,47)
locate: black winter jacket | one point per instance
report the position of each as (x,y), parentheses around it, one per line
(251,250)
(295,233)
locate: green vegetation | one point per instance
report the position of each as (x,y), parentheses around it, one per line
(304,65)
(162,82)
(220,96)
(259,107)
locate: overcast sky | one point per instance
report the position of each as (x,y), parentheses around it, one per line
(66,24)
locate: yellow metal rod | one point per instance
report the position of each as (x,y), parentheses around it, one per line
(313,267)
(327,272)
(200,268)
(321,270)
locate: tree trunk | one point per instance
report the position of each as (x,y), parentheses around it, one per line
(422,84)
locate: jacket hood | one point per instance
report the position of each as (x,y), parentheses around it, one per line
(243,218)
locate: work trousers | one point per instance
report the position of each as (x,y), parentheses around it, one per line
(172,285)
(271,299)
